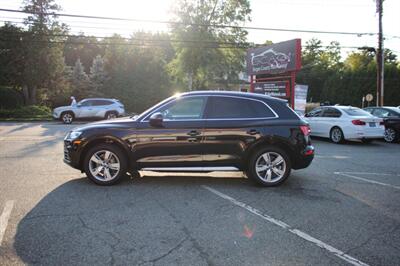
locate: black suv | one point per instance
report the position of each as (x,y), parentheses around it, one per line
(196,131)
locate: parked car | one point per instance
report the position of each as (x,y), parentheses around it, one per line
(391,118)
(90,108)
(340,123)
(196,131)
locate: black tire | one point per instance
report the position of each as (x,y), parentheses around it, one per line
(122,163)
(111,115)
(336,138)
(256,158)
(391,135)
(366,141)
(67,117)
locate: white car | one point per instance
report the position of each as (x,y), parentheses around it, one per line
(90,108)
(341,123)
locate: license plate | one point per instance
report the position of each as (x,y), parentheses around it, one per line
(372,124)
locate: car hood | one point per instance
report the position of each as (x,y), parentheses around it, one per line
(62,108)
(123,122)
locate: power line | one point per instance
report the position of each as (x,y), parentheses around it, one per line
(152,40)
(187,24)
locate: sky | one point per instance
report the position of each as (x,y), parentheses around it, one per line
(323,15)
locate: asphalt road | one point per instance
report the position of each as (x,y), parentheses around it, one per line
(343,210)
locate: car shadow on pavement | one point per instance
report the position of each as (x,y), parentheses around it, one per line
(82,223)
(133,222)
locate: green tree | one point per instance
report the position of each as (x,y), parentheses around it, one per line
(98,76)
(200,57)
(137,69)
(80,81)
(43,55)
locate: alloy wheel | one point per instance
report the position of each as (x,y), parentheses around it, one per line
(270,167)
(111,116)
(336,135)
(67,118)
(390,135)
(104,165)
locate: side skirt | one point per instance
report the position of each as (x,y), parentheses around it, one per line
(190,169)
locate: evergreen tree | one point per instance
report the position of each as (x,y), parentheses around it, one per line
(80,81)
(43,58)
(98,76)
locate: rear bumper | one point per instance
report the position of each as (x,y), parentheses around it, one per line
(304,159)
(376,134)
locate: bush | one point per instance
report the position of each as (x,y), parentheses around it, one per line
(10,98)
(32,111)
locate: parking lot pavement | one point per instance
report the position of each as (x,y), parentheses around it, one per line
(343,210)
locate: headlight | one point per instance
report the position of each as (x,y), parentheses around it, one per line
(73,135)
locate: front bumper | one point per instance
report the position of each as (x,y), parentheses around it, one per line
(71,154)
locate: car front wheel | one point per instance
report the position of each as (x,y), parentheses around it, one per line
(105,164)
(269,166)
(111,115)
(67,117)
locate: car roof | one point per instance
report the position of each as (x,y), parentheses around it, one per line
(343,106)
(249,95)
(388,107)
(107,99)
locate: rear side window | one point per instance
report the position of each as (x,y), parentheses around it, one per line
(356,112)
(237,108)
(102,102)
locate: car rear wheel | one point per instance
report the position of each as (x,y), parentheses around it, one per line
(67,117)
(390,135)
(269,166)
(336,135)
(111,115)
(105,164)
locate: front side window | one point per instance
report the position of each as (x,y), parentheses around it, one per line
(86,103)
(190,108)
(237,108)
(315,113)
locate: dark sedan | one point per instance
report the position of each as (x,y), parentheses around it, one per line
(391,118)
(196,131)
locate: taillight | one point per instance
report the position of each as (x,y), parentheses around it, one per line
(306,130)
(358,122)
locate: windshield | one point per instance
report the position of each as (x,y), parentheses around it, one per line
(356,112)
(394,109)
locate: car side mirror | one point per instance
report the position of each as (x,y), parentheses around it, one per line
(156,120)
(78,105)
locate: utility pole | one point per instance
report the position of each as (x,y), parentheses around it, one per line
(380,57)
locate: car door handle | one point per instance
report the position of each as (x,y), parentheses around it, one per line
(253,132)
(193,133)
